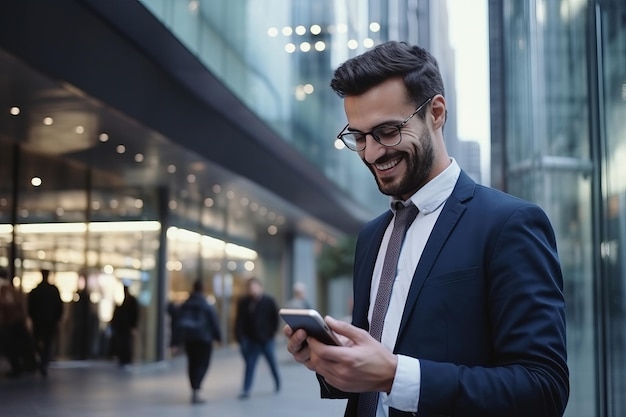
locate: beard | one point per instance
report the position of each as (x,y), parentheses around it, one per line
(419,163)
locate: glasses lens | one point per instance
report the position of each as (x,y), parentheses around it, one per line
(387,135)
(354,141)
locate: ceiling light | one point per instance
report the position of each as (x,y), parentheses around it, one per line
(374,26)
(272,32)
(316,29)
(48,121)
(320,46)
(103,137)
(14,111)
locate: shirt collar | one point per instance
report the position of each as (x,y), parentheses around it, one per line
(435,192)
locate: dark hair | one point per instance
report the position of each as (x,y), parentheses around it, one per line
(417,67)
(45,273)
(198,286)
(254,280)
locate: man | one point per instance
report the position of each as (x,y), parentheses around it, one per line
(299,299)
(45,309)
(255,326)
(199,327)
(472,315)
(124,328)
(15,340)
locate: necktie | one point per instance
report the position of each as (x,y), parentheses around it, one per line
(404,218)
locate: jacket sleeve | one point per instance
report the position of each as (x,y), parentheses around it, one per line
(526,315)
(216,331)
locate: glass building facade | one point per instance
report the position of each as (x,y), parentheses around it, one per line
(152,143)
(558,72)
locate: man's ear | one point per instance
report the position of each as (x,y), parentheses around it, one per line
(438,112)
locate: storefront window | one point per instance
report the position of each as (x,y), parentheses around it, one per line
(6,202)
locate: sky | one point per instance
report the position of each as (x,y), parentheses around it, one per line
(469,38)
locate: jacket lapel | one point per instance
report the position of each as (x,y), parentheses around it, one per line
(365,272)
(449,217)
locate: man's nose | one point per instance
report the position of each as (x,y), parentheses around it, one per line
(373,150)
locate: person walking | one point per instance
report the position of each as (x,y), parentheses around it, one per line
(299,299)
(124,328)
(467,317)
(199,328)
(45,309)
(256,325)
(15,339)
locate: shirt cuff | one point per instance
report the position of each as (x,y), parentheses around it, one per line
(405,390)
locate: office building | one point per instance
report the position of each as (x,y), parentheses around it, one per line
(558,96)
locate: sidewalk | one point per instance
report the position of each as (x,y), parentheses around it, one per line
(100,389)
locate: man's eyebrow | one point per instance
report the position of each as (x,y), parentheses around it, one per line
(392,123)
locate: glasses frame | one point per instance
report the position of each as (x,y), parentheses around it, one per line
(399,126)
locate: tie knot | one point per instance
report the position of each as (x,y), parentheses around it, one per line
(405,214)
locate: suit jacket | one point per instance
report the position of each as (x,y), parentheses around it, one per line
(485,313)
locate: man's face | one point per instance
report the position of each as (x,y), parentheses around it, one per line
(255,289)
(398,170)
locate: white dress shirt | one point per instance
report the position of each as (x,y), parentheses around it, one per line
(429,200)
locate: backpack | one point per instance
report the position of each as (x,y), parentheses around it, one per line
(192,322)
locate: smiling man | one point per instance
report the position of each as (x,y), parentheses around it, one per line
(458,302)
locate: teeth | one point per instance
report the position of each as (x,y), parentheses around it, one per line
(388,165)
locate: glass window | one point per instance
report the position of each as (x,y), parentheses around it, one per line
(613,81)
(548,150)
(6,202)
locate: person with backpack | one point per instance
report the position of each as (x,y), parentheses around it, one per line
(199,328)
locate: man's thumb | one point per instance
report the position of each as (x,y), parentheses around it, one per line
(345,329)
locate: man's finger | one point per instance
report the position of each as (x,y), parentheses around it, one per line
(347,330)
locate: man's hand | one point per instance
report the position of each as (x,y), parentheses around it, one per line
(360,364)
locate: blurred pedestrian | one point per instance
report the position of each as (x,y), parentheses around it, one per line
(45,309)
(299,299)
(199,328)
(175,342)
(15,340)
(255,327)
(124,328)
(84,322)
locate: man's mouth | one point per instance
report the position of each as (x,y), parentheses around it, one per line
(388,165)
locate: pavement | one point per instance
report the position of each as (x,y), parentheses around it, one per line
(101,389)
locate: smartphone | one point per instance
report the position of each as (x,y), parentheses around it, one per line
(311,321)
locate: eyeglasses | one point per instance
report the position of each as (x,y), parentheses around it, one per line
(386,135)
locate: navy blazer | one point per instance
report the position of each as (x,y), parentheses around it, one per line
(485,313)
